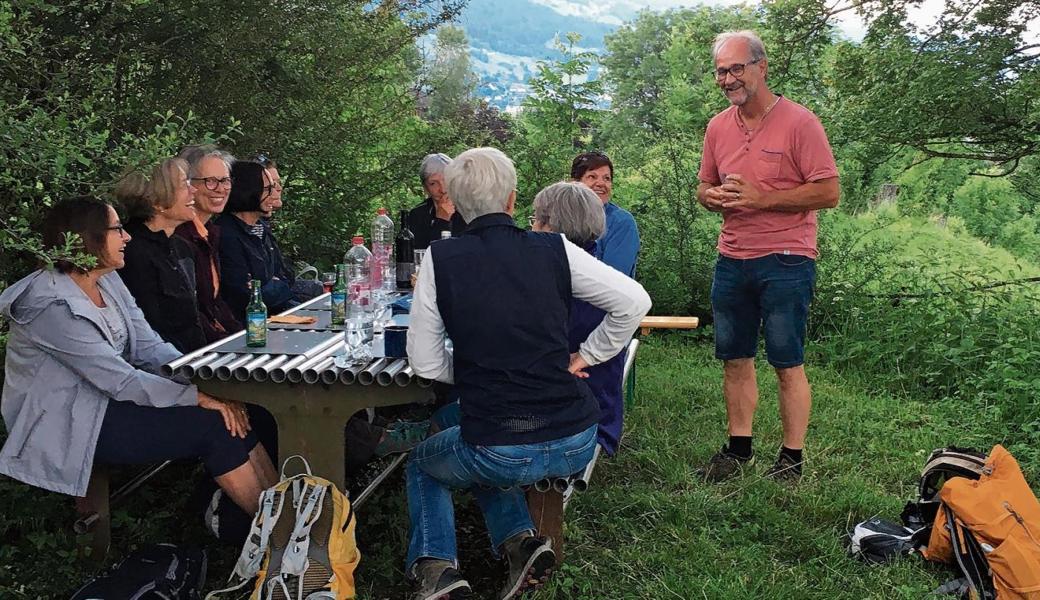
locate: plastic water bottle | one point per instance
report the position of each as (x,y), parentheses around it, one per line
(384,269)
(359,292)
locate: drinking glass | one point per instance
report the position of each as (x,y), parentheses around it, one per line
(327,281)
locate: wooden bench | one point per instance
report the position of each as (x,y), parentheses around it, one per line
(547,507)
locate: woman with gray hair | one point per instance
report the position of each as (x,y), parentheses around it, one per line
(436,213)
(209,170)
(575,211)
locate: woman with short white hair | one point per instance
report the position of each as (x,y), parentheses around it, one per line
(436,213)
(575,211)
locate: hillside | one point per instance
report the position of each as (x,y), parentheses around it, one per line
(508,38)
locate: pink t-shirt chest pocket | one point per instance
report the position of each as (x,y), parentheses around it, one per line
(769,164)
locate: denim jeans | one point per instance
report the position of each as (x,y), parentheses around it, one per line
(772,293)
(444,462)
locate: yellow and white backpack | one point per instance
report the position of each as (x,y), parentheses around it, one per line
(301,545)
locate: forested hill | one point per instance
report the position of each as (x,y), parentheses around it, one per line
(524,28)
(509,37)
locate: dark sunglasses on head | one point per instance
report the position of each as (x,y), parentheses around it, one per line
(262,160)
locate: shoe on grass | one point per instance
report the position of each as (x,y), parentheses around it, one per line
(401,437)
(531,560)
(785,469)
(724,465)
(439,580)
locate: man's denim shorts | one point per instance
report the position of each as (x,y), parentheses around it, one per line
(771,293)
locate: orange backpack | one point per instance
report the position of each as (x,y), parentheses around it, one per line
(990,528)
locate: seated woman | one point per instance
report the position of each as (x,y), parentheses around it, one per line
(574,210)
(437,213)
(81,377)
(245,256)
(158,266)
(619,244)
(209,170)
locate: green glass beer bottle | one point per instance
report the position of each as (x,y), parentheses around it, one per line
(339,296)
(256,318)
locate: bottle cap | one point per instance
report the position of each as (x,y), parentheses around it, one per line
(358,240)
(381,211)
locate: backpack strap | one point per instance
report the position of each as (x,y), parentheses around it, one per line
(294,561)
(970,558)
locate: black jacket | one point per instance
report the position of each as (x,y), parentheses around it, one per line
(244,256)
(160,274)
(427,227)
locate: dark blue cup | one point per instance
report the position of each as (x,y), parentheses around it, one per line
(395,341)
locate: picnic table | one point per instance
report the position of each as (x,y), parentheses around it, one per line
(295,378)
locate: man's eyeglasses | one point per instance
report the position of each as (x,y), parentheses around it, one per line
(531,221)
(117,228)
(735,70)
(270,189)
(212,183)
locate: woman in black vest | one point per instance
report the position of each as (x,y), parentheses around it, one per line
(503,296)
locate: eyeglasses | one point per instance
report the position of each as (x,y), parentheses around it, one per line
(270,189)
(262,160)
(735,70)
(531,221)
(117,228)
(212,183)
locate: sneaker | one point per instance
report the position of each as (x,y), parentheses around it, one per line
(785,469)
(402,436)
(724,465)
(531,560)
(438,580)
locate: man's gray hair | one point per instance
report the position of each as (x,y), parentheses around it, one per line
(758,49)
(195,153)
(572,209)
(433,164)
(479,182)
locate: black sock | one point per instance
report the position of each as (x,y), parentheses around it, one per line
(794,455)
(740,445)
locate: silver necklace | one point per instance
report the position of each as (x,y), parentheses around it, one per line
(763,118)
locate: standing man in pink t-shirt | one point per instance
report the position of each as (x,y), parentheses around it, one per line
(767,167)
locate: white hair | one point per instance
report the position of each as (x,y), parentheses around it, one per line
(432,164)
(479,182)
(572,209)
(196,153)
(758,49)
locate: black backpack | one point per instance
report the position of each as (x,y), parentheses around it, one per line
(942,464)
(152,572)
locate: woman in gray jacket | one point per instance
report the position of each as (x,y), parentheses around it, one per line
(81,377)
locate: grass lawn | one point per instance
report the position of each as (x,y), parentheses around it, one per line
(646,528)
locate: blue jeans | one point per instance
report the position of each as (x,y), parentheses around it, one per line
(771,293)
(444,462)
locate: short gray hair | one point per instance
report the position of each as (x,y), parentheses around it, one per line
(479,182)
(195,153)
(433,164)
(758,49)
(572,209)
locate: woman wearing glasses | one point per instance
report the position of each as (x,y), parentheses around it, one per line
(210,172)
(243,254)
(159,269)
(82,384)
